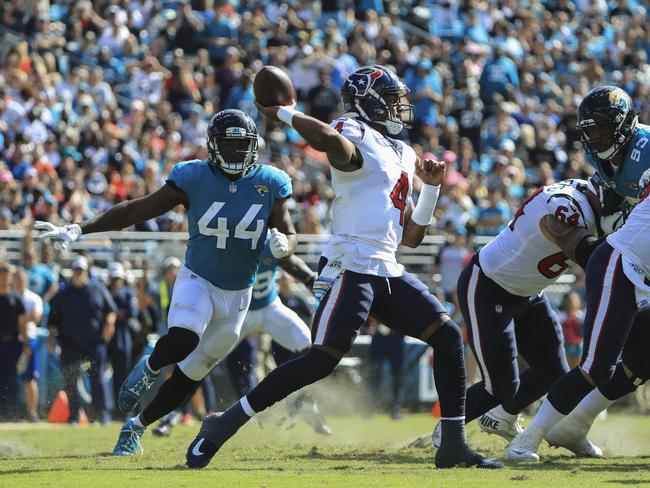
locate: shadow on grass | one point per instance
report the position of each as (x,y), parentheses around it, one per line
(629,482)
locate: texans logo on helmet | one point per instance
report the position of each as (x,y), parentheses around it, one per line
(361,80)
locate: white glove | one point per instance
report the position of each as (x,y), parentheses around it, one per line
(279,244)
(611,223)
(66,234)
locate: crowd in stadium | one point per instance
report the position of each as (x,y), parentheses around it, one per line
(98,100)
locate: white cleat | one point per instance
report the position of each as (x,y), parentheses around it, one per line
(571,433)
(493,423)
(524,447)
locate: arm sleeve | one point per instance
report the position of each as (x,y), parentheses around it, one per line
(351,129)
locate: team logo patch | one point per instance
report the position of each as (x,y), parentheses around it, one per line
(617,99)
(633,185)
(498,308)
(361,80)
(262,189)
(232,188)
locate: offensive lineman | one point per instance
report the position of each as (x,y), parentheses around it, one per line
(617,147)
(372,176)
(501,296)
(231,202)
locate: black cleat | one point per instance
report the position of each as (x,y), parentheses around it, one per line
(200,453)
(162,430)
(463,457)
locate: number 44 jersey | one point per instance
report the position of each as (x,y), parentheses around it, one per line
(370,203)
(228,220)
(520,259)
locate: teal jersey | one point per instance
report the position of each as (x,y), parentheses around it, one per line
(625,178)
(264,290)
(228,220)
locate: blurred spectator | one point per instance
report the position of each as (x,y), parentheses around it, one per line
(13,343)
(83,318)
(492,219)
(33,315)
(170,268)
(387,345)
(148,316)
(450,261)
(572,315)
(323,100)
(120,347)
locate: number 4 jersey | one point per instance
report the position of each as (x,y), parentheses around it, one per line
(520,259)
(370,203)
(228,220)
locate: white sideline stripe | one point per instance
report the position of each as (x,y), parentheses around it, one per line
(603,306)
(323,323)
(246,407)
(473,319)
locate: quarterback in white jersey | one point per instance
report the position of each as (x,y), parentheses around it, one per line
(500,293)
(372,179)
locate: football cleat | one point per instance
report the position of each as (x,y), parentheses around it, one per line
(571,433)
(140,379)
(523,448)
(493,423)
(200,453)
(128,443)
(462,456)
(436,436)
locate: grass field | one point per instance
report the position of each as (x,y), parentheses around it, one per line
(360,453)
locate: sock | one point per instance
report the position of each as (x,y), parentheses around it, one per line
(172,348)
(569,390)
(547,417)
(219,428)
(449,370)
(478,401)
(620,384)
(290,377)
(532,386)
(594,403)
(136,420)
(170,396)
(501,412)
(453,432)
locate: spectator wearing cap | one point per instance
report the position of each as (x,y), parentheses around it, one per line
(120,347)
(83,318)
(13,343)
(170,268)
(33,315)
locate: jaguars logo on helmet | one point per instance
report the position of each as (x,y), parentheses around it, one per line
(606,121)
(375,95)
(232,141)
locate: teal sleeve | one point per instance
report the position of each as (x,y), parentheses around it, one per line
(285,189)
(180,176)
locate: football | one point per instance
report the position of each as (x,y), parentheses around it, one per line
(272,86)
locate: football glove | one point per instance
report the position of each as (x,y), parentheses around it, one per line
(279,244)
(66,234)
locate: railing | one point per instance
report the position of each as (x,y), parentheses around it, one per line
(147,250)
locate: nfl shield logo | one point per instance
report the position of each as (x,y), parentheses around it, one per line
(233,188)
(498,308)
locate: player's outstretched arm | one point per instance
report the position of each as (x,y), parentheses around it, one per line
(418,217)
(297,268)
(120,216)
(341,152)
(283,233)
(577,243)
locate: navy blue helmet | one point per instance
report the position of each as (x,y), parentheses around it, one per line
(232,141)
(375,94)
(606,121)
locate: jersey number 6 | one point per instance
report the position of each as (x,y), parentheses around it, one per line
(241,231)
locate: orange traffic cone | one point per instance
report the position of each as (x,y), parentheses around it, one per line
(60,411)
(435,410)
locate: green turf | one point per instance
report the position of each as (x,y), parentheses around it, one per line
(360,453)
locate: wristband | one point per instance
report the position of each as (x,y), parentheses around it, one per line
(285,114)
(423,213)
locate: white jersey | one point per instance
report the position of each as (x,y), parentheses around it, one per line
(520,259)
(370,203)
(631,240)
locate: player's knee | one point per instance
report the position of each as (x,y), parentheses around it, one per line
(319,363)
(448,335)
(601,376)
